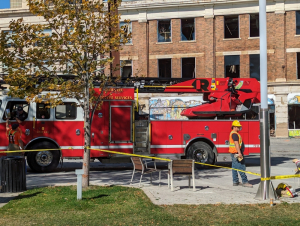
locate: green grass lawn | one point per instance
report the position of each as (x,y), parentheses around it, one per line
(130,206)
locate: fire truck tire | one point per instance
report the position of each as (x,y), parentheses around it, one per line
(201,152)
(43,161)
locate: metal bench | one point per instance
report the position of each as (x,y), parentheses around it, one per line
(182,167)
(139,165)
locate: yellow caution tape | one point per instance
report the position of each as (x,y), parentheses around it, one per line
(14,151)
(122,153)
(280,177)
(150,157)
(168,160)
(205,164)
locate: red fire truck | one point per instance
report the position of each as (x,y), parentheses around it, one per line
(203,136)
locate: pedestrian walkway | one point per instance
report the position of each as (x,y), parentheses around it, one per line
(6,197)
(213,186)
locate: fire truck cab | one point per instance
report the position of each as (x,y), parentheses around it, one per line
(203,135)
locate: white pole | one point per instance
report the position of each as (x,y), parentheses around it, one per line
(79,173)
(265,190)
(263,54)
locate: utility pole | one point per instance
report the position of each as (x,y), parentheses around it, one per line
(266,189)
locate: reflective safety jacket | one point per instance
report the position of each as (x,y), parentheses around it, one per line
(232,148)
(13,137)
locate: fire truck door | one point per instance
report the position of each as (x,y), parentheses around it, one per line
(25,126)
(42,121)
(100,128)
(121,124)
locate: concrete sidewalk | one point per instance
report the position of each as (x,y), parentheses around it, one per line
(212,185)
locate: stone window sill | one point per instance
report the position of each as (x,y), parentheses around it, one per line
(231,39)
(164,43)
(192,41)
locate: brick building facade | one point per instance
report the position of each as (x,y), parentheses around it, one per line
(213,51)
(223,42)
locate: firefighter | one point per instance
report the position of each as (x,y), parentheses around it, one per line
(14,134)
(21,115)
(236,149)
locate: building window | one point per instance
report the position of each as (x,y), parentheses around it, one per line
(15,3)
(127,27)
(187,29)
(45,33)
(254,66)
(298,65)
(254,25)
(76,1)
(164,31)
(164,68)
(188,67)
(297,22)
(232,66)
(293,115)
(231,26)
(10,42)
(126,68)
(3,69)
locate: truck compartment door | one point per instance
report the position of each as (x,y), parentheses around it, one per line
(121,124)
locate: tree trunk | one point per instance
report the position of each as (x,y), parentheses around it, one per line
(87,137)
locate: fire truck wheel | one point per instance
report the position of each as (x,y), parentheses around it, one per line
(201,152)
(43,161)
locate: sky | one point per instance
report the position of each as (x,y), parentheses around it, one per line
(4,4)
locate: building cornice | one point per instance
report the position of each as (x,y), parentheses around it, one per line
(153,4)
(181,3)
(273,84)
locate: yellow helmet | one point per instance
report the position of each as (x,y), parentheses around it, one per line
(236,123)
